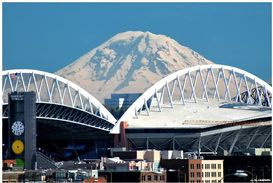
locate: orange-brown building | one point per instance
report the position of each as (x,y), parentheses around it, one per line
(194,170)
(205,171)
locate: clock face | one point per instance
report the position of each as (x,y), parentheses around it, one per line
(18,128)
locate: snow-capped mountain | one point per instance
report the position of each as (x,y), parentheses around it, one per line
(129,62)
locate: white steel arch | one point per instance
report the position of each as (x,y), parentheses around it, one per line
(50,88)
(220,82)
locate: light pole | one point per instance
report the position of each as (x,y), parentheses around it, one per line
(252,175)
(179,173)
(239,173)
(178,176)
(184,173)
(248,172)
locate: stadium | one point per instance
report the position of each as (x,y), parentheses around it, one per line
(207,109)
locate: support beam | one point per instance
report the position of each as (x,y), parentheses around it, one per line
(199,145)
(192,87)
(169,94)
(181,91)
(204,86)
(252,138)
(151,142)
(173,143)
(215,84)
(262,145)
(194,82)
(234,141)
(218,142)
(158,101)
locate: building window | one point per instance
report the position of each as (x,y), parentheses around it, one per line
(219,174)
(213,166)
(192,166)
(213,174)
(143,177)
(213,181)
(161,177)
(202,174)
(219,166)
(149,178)
(207,181)
(198,174)
(155,177)
(192,174)
(198,181)
(197,166)
(207,174)
(207,166)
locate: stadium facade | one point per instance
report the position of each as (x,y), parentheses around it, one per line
(208,109)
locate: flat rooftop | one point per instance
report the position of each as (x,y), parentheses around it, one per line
(198,115)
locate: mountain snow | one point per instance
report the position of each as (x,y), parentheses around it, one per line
(129,62)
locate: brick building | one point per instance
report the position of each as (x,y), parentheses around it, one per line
(194,170)
(205,171)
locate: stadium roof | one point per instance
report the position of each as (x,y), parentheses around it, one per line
(199,115)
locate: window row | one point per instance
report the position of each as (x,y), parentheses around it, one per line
(207,174)
(207,166)
(212,166)
(197,181)
(155,177)
(209,181)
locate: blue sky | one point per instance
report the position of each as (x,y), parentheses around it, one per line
(49,36)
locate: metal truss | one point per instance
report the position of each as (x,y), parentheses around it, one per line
(257,94)
(55,112)
(57,98)
(228,139)
(68,114)
(200,83)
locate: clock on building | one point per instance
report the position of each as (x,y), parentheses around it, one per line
(18,128)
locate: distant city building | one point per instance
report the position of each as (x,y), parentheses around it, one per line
(205,171)
(121,100)
(212,171)
(171,154)
(153,177)
(194,170)
(141,155)
(140,160)
(145,162)
(141,165)
(116,164)
(125,100)
(258,151)
(258,168)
